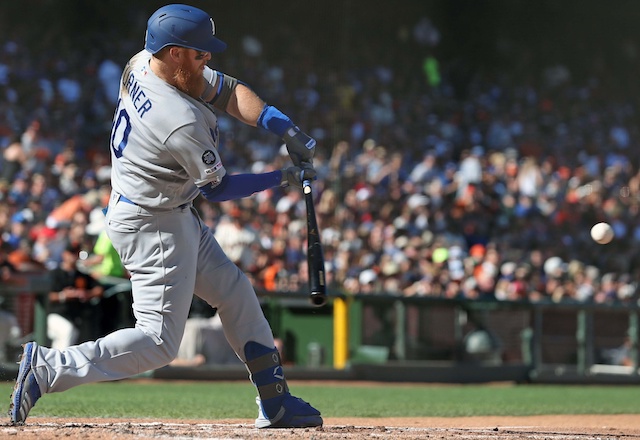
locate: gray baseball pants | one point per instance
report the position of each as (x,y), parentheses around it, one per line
(170,255)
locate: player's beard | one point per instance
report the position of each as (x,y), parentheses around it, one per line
(187,81)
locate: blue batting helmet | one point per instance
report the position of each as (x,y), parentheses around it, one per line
(182,25)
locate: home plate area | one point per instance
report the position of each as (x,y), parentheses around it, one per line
(619,427)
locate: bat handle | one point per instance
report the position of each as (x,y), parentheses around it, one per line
(306,186)
(306,183)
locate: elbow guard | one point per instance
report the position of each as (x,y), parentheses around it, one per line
(219,95)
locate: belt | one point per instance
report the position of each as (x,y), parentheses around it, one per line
(122,198)
(125,200)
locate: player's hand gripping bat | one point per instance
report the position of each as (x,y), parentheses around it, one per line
(315,257)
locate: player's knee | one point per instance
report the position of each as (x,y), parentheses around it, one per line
(168,352)
(158,356)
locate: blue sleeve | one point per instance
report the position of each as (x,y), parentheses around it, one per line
(238,186)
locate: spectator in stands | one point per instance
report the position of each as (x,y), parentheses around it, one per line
(9,328)
(9,331)
(544,174)
(70,296)
(103,260)
(7,269)
(13,159)
(204,342)
(236,238)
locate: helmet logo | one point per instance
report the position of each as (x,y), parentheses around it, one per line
(213,26)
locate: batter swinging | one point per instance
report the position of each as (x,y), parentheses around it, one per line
(164,154)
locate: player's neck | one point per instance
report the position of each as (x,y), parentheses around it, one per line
(162,70)
(168,73)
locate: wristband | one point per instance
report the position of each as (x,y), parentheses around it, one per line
(274,120)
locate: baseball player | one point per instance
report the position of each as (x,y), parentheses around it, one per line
(164,151)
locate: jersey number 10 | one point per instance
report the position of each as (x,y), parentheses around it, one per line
(120,132)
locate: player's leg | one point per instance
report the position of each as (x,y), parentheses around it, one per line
(162,278)
(162,265)
(223,285)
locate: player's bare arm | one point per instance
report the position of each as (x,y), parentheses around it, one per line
(245,105)
(240,101)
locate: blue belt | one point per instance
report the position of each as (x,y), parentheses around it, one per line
(122,198)
(125,200)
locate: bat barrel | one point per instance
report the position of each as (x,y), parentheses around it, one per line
(315,257)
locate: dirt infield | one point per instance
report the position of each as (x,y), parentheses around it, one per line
(621,427)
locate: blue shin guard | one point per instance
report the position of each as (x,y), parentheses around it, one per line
(266,374)
(278,408)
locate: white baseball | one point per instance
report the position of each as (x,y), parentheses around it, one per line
(602,233)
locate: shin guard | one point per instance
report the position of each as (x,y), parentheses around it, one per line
(265,367)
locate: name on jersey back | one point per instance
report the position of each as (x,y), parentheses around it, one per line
(138,98)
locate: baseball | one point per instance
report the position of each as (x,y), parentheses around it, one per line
(602,233)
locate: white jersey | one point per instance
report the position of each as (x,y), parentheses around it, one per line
(163,142)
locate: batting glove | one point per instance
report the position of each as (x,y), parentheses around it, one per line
(295,175)
(301,146)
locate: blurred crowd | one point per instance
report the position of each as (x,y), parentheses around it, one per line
(434,178)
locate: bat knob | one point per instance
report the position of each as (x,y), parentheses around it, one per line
(318,299)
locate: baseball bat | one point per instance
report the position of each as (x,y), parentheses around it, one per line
(315,257)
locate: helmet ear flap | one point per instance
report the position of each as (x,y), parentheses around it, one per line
(148,39)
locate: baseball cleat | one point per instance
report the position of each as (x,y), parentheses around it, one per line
(294,413)
(26,391)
